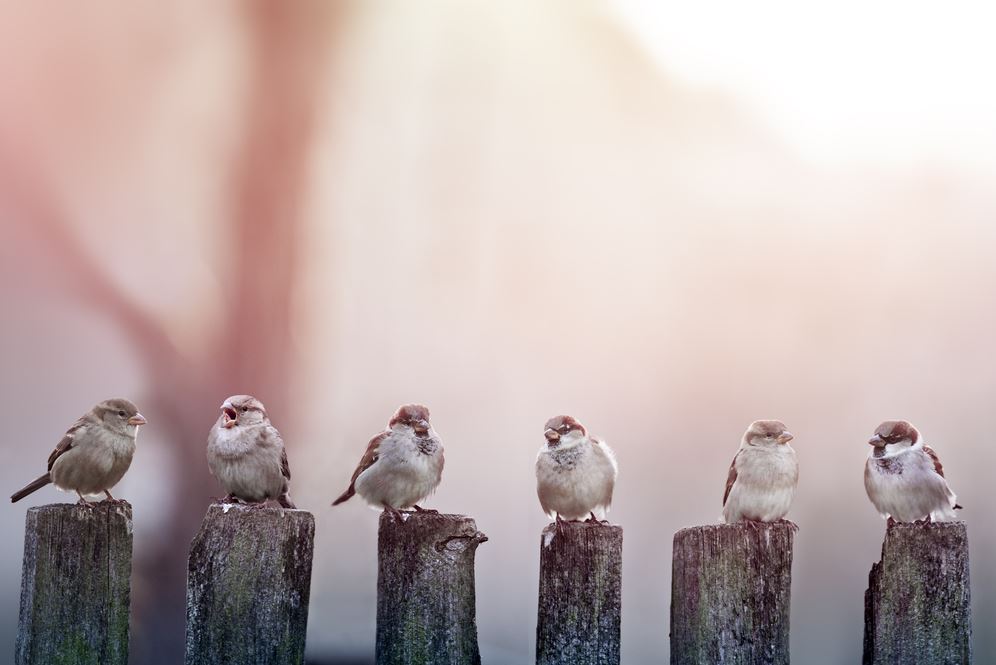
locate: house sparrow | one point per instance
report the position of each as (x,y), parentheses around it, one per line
(95,452)
(763,475)
(246,454)
(575,473)
(402,465)
(904,477)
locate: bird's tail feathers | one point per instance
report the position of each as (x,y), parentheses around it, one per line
(345,495)
(33,486)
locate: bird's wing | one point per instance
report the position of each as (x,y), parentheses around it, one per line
(367,461)
(369,457)
(603,448)
(938,467)
(67,441)
(284,466)
(731,478)
(271,436)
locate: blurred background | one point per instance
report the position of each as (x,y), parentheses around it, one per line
(664,219)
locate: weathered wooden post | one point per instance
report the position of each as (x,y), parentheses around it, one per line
(75,585)
(580,594)
(426,603)
(917,606)
(730,594)
(248,585)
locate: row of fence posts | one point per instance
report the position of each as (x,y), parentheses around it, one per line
(249,578)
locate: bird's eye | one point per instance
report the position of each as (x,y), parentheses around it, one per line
(121,413)
(244,409)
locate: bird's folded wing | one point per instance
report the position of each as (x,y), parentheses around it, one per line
(938,467)
(271,436)
(369,457)
(731,478)
(67,442)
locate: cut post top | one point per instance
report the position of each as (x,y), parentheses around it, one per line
(88,511)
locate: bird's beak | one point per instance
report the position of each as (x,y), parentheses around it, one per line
(551,436)
(785,437)
(231,417)
(421,428)
(876,441)
(137,419)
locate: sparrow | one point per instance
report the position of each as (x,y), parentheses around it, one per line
(402,465)
(575,473)
(763,475)
(247,455)
(904,477)
(95,452)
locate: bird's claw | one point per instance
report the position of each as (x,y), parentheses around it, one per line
(429,511)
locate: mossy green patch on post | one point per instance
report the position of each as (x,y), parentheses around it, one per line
(248,586)
(426,599)
(730,594)
(918,602)
(580,594)
(75,586)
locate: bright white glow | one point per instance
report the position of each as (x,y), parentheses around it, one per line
(885,81)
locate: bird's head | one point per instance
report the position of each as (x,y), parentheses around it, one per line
(893,437)
(412,416)
(769,433)
(119,415)
(563,431)
(242,411)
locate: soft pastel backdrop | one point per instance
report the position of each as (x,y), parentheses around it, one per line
(667,219)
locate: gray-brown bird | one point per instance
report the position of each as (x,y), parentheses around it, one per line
(904,477)
(247,455)
(95,452)
(764,474)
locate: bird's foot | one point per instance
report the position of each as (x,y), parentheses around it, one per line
(226,499)
(890,522)
(112,500)
(393,512)
(420,509)
(83,502)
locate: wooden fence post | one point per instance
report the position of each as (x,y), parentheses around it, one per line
(75,585)
(580,594)
(917,606)
(730,594)
(426,601)
(248,585)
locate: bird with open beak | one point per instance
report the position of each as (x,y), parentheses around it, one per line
(247,455)
(401,466)
(575,473)
(904,477)
(94,454)
(763,476)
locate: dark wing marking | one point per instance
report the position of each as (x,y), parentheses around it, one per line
(731,478)
(66,443)
(938,467)
(368,459)
(284,466)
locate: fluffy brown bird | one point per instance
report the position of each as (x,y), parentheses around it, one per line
(904,477)
(247,455)
(95,452)
(402,465)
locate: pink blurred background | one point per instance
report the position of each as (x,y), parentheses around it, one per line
(665,220)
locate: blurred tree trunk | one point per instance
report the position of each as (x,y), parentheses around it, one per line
(288,57)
